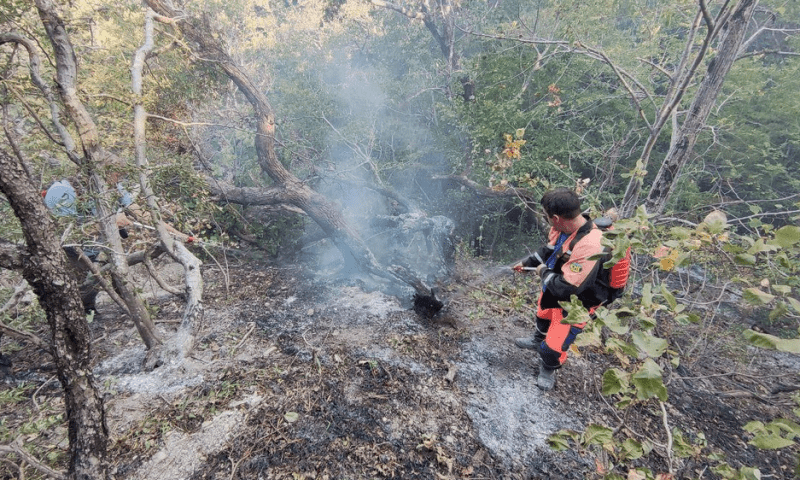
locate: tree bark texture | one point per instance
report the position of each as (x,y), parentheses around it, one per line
(680,79)
(682,149)
(46,269)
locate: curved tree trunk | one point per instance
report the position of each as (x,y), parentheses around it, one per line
(683,147)
(288,188)
(46,270)
(183,342)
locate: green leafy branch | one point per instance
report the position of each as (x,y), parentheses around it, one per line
(631,336)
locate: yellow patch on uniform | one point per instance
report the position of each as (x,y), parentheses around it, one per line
(575,268)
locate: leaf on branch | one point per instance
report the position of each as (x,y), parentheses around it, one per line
(631,449)
(611,319)
(576,312)
(760,246)
(597,435)
(560,440)
(647,295)
(615,344)
(770,442)
(649,382)
(683,447)
(794,303)
(615,381)
(669,297)
(787,426)
(755,296)
(771,342)
(589,337)
(744,259)
(787,236)
(651,345)
(779,311)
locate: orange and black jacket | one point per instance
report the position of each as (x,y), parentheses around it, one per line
(575,271)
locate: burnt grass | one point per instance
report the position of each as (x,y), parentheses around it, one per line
(331,408)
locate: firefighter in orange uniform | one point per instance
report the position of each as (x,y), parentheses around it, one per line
(566,268)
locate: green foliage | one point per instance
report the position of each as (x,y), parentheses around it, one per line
(615,381)
(637,335)
(772,342)
(756,126)
(648,344)
(576,312)
(15,394)
(648,381)
(776,434)
(10,229)
(550,104)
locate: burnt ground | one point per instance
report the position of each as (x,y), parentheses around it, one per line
(297,376)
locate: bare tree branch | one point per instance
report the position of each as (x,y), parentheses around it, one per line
(98,276)
(19,292)
(183,342)
(17,449)
(406,12)
(16,296)
(509,191)
(34,63)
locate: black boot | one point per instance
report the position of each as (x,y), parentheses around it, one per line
(547,378)
(528,343)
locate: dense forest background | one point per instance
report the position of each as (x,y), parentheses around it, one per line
(271,127)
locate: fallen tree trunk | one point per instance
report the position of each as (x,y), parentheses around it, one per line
(288,188)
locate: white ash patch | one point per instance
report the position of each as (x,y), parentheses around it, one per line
(374,303)
(123,373)
(511,415)
(183,454)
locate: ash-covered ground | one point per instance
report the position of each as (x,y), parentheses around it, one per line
(450,396)
(298,376)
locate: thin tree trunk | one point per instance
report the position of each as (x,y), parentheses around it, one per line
(679,82)
(96,160)
(183,341)
(46,270)
(682,149)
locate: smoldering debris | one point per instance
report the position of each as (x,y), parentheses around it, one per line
(417,250)
(427,306)
(424,245)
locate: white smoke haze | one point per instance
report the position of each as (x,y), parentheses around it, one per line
(397,232)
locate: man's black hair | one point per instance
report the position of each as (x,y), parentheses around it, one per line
(562,202)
